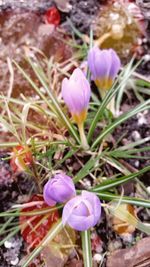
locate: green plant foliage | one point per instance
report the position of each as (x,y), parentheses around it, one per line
(61,149)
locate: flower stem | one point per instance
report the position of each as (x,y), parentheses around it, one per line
(82,136)
(111,104)
(102,39)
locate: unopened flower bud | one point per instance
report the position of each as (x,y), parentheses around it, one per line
(76,94)
(59,189)
(104,66)
(82,212)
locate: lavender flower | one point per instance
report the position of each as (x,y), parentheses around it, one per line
(59,189)
(104,66)
(82,212)
(76,94)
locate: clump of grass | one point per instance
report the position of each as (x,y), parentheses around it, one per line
(56,140)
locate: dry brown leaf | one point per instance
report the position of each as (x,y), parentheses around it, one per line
(56,253)
(122,227)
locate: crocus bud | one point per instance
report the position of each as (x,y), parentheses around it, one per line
(104,66)
(82,212)
(59,189)
(76,94)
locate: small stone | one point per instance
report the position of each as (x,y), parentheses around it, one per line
(148,189)
(7,244)
(146,58)
(87,183)
(114,16)
(141,119)
(98,258)
(127,237)
(137,163)
(114,245)
(136,135)
(46,29)
(15,262)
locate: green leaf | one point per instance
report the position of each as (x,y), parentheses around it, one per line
(11,234)
(110,183)
(141,107)
(124,76)
(86,169)
(129,200)
(128,72)
(58,109)
(54,106)
(143,83)
(86,248)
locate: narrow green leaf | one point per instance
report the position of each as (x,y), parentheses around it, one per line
(124,76)
(110,183)
(129,200)
(58,109)
(128,72)
(143,83)
(86,248)
(86,169)
(141,107)
(12,233)
(55,107)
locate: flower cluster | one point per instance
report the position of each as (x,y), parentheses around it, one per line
(80,212)
(104,66)
(83,211)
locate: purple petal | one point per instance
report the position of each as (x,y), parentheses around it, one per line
(96,204)
(67,181)
(93,52)
(115,64)
(82,212)
(81,223)
(69,207)
(59,189)
(103,64)
(61,193)
(76,92)
(46,196)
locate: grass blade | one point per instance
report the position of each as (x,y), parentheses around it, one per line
(141,107)
(110,183)
(55,107)
(86,248)
(124,77)
(58,109)
(129,200)
(49,237)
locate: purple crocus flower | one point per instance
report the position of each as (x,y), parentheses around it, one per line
(59,189)
(104,66)
(82,212)
(76,94)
